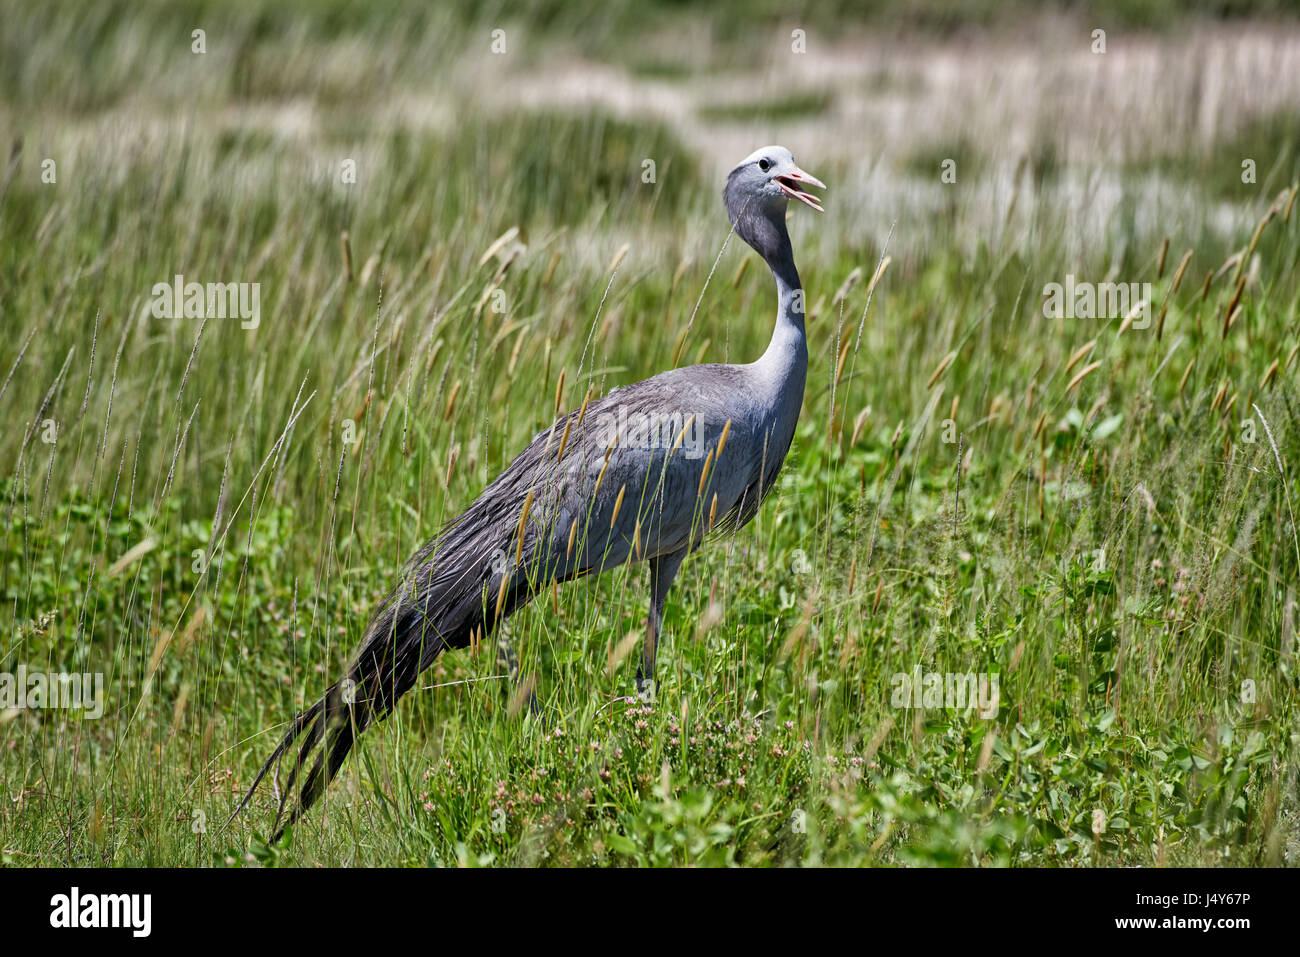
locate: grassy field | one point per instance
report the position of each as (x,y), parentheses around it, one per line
(1098,513)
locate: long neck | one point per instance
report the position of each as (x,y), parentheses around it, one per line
(781,373)
(788,338)
(788,349)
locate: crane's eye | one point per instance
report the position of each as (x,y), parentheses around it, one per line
(764,165)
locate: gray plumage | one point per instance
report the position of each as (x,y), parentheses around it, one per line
(588,498)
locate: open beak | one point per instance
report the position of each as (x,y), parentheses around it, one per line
(792,182)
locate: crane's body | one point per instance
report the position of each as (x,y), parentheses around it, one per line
(586,495)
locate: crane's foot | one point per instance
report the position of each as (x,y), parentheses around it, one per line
(507,657)
(508,661)
(647,689)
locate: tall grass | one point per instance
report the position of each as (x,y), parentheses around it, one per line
(1100,512)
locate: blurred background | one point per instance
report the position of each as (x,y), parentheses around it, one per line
(878,93)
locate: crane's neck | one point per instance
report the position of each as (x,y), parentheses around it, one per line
(779,375)
(787,353)
(782,371)
(788,338)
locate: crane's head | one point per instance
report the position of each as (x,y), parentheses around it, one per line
(769,178)
(759,190)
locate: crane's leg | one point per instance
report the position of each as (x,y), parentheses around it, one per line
(508,661)
(663,570)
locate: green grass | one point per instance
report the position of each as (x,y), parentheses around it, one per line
(1271,142)
(1122,552)
(806,105)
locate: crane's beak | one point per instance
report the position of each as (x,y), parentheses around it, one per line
(791,182)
